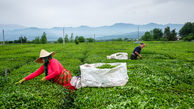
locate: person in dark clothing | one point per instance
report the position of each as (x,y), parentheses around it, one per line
(137,51)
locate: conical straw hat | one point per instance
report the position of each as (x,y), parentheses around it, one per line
(43,53)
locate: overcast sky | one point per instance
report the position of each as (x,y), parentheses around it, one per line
(52,13)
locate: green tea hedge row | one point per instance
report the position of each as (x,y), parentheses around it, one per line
(160,80)
(33,93)
(163,79)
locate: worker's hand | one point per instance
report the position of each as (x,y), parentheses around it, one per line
(21,81)
(140,57)
(43,79)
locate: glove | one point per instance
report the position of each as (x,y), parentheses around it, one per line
(21,81)
(43,79)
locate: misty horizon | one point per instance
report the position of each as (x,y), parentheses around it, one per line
(93,26)
(12,32)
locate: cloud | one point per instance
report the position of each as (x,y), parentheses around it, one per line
(50,13)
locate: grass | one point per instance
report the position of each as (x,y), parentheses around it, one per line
(164,78)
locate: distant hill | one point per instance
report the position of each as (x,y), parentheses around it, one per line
(132,35)
(13,32)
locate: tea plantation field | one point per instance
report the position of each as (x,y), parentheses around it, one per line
(164,78)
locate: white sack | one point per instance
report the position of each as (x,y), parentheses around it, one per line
(76,82)
(94,77)
(119,56)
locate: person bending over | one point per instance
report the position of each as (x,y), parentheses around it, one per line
(137,51)
(53,70)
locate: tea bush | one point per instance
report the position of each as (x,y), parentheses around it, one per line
(163,79)
(106,66)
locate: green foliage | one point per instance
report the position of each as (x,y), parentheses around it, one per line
(167,33)
(157,34)
(170,35)
(90,39)
(76,40)
(106,66)
(22,39)
(72,37)
(126,39)
(187,29)
(66,38)
(162,79)
(33,93)
(173,35)
(60,40)
(36,40)
(157,81)
(118,39)
(43,39)
(190,37)
(147,36)
(81,39)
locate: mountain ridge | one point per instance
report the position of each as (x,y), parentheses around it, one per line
(14,31)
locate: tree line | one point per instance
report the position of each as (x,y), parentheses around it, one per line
(77,39)
(157,35)
(186,33)
(43,39)
(22,39)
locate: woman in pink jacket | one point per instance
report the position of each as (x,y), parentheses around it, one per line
(53,70)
